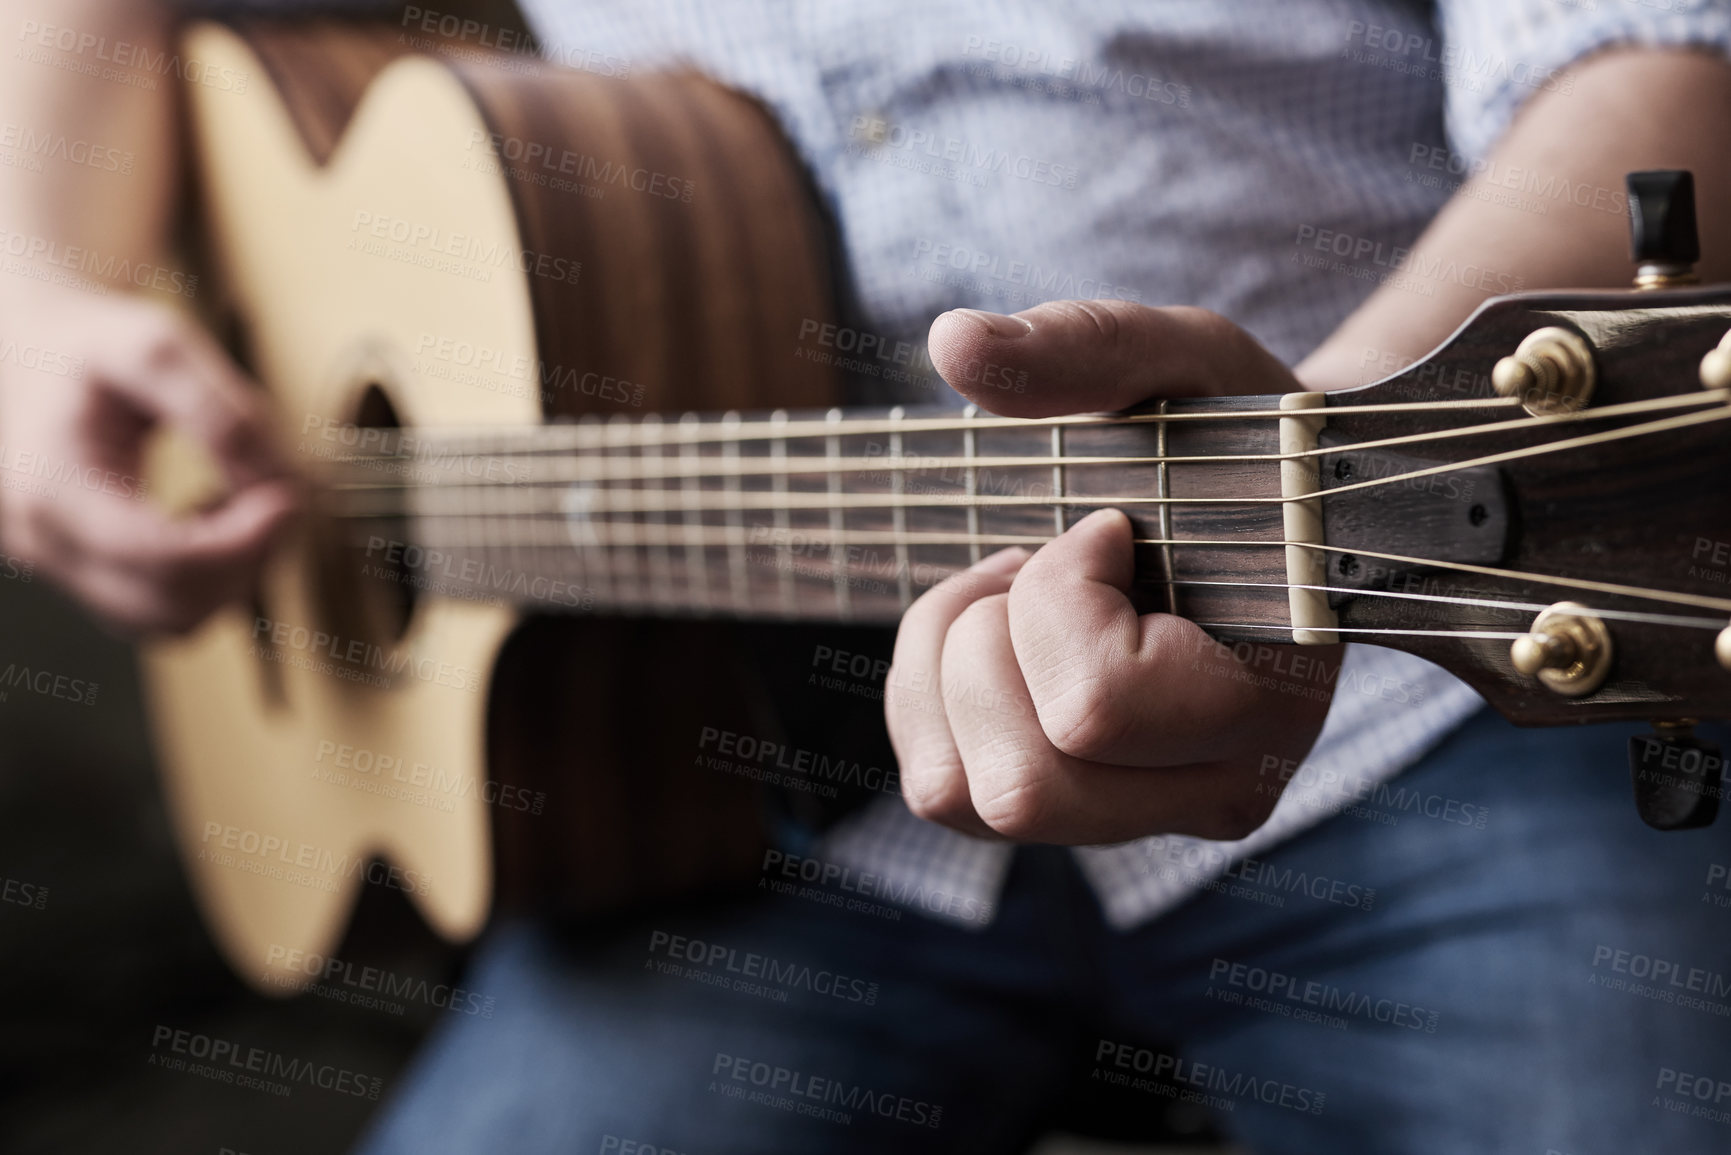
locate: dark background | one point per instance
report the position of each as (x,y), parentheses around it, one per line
(118,948)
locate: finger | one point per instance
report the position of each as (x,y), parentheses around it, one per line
(124,602)
(1026,789)
(931,772)
(1111,685)
(1094,356)
(149,571)
(175,373)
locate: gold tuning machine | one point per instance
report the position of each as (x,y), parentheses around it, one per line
(1676,776)
(1716,365)
(1568,650)
(1551,371)
(1663,242)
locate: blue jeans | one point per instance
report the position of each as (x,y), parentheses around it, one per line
(1558,980)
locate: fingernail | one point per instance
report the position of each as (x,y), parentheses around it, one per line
(997,324)
(1004,561)
(1099,518)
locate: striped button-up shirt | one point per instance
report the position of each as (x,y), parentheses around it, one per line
(1177,152)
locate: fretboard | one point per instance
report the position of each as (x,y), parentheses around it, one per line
(845,515)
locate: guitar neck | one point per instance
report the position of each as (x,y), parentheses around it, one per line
(845,515)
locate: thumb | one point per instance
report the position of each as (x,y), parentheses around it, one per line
(1097,356)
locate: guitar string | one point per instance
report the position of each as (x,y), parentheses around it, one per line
(722,536)
(620,432)
(1500,635)
(818,572)
(627,601)
(605,499)
(1471,630)
(1487,603)
(763,467)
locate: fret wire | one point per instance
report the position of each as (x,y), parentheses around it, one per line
(567,527)
(1164,490)
(739,578)
(617,425)
(778,451)
(490,528)
(969,438)
(696,556)
(550,536)
(837,521)
(660,558)
(1058,479)
(480,530)
(602,564)
(899,516)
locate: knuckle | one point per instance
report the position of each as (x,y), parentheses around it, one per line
(1019,807)
(936,790)
(980,619)
(1087,721)
(1233,348)
(1088,738)
(1208,323)
(1106,318)
(1039,584)
(931,608)
(918,618)
(162,340)
(971,587)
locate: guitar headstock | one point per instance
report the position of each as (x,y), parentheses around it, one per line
(1564,461)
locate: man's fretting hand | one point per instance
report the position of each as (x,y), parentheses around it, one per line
(1027,698)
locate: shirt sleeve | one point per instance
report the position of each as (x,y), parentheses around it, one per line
(1497,53)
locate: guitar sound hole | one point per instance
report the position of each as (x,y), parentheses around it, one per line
(388,568)
(365,586)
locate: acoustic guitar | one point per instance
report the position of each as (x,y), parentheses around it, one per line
(544,341)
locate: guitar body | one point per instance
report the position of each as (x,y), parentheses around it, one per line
(350,730)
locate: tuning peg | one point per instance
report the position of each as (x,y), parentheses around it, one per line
(1676,777)
(1551,371)
(1662,239)
(1722,648)
(1716,365)
(1536,652)
(1568,650)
